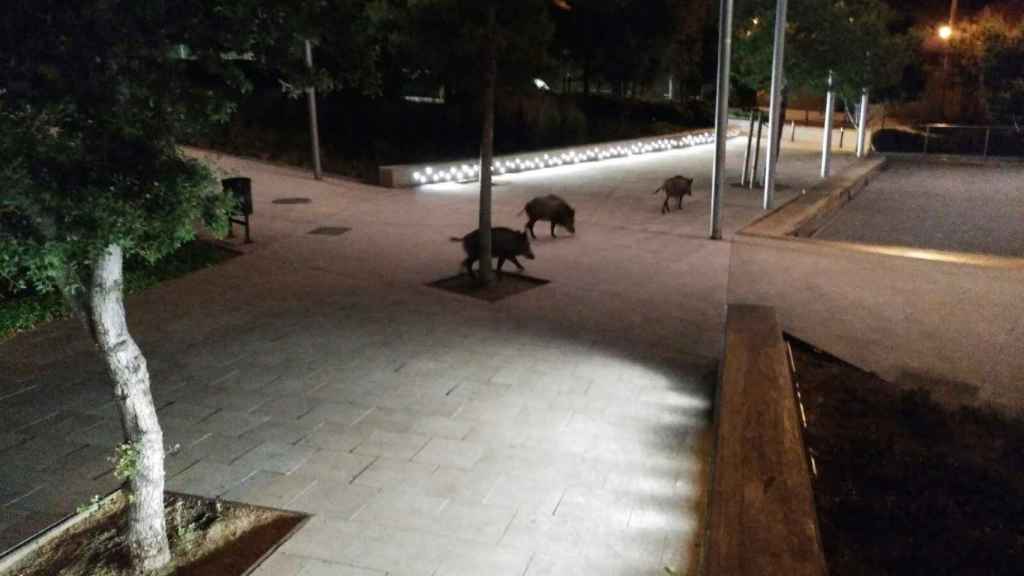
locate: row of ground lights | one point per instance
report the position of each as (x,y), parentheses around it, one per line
(466,172)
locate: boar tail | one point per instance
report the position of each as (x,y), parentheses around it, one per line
(659,189)
(455,239)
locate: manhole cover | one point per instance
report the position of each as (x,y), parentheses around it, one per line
(291,201)
(504,286)
(329,230)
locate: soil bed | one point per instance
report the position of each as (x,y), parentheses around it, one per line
(207,537)
(906,485)
(504,285)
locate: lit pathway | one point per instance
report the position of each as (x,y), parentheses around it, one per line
(561,431)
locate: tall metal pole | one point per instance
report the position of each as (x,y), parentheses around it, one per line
(826,138)
(775,112)
(862,125)
(314,129)
(721,114)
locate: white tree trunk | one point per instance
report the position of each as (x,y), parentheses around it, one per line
(147,530)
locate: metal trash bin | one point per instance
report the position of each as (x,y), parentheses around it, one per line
(241,189)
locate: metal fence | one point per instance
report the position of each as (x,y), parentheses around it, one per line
(969,140)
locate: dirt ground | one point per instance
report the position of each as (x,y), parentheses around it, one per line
(905,485)
(207,537)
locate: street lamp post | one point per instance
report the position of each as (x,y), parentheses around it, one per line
(775,118)
(314,130)
(946,34)
(721,115)
(826,137)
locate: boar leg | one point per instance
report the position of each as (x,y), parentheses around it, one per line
(680,205)
(516,262)
(529,226)
(468,265)
(553,230)
(664,207)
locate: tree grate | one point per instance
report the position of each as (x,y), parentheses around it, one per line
(504,286)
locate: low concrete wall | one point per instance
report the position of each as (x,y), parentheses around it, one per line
(407,175)
(805,214)
(954,320)
(762,518)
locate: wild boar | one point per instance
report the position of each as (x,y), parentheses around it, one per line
(506,244)
(675,187)
(552,209)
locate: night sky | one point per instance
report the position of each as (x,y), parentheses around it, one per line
(937,10)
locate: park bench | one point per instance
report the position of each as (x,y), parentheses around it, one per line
(762,518)
(241,189)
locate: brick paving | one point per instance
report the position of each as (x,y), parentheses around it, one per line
(558,431)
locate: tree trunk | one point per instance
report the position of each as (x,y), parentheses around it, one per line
(784,105)
(147,531)
(486,275)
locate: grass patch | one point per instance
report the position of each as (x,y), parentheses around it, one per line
(26,310)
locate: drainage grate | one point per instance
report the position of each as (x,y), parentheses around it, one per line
(295,200)
(329,230)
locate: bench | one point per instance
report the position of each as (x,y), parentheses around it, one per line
(761,514)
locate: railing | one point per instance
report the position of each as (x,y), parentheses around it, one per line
(954,139)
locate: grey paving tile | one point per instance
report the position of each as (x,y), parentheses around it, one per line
(341,413)
(441,427)
(478,559)
(333,438)
(272,489)
(11,439)
(451,453)
(185,411)
(283,431)
(314,567)
(335,466)
(475,522)
(335,498)
(223,449)
(325,538)
(288,407)
(232,400)
(275,457)
(281,564)
(41,451)
(392,445)
(391,473)
(231,422)
(210,479)
(403,510)
(405,552)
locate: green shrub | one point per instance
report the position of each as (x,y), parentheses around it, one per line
(28,309)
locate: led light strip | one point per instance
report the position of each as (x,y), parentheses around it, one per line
(526,163)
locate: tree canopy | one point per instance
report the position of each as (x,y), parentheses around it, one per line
(853,39)
(95,96)
(988,53)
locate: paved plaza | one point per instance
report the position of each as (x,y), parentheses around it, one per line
(560,431)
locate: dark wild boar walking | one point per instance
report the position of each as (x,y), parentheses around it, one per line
(552,209)
(675,187)
(506,244)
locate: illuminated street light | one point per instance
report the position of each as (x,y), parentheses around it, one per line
(945,31)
